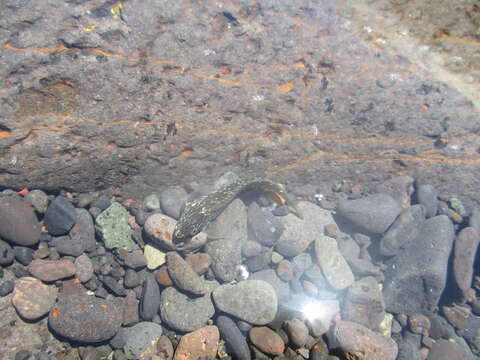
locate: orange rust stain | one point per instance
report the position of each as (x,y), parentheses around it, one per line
(457,40)
(103,306)
(55,313)
(5,134)
(186,153)
(23,192)
(224,70)
(286,87)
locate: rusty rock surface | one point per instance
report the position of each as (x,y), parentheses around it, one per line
(143,95)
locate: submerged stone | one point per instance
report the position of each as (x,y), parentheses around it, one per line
(112,225)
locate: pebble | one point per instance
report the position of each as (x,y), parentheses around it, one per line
(51,270)
(200,262)
(301,263)
(165,348)
(151,202)
(333,264)
(7,255)
(416,278)
(264,227)
(398,187)
(199,344)
(373,213)
(85,319)
(427,196)
(267,340)
(269,275)
(300,233)
(154,256)
(356,341)
(419,324)
(285,270)
(141,337)
(254,301)
(102,202)
(183,276)
(33,299)
(131,314)
(230,228)
(364,303)
(60,216)
(131,279)
(172,200)
(150,300)
(6,287)
(184,313)
(18,222)
(114,285)
(83,231)
(23,355)
(446,350)
(67,246)
(251,249)
(135,259)
(162,276)
(403,231)
(233,337)
(83,268)
(23,255)
(297,332)
(159,229)
(112,225)
(465,249)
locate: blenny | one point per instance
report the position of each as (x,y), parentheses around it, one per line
(197,214)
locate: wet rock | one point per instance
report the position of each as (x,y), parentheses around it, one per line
(416,277)
(465,249)
(38,199)
(419,324)
(151,203)
(267,340)
(229,232)
(298,233)
(297,332)
(135,259)
(261,261)
(23,255)
(140,337)
(399,187)
(7,255)
(113,227)
(356,341)
(315,275)
(162,276)
(164,348)
(83,231)
(159,229)
(403,231)
(33,299)
(333,264)
(254,301)
(6,287)
(446,350)
(285,270)
(18,222)
(269,275)
(130,309)
(172,200)
(150,300)
(154,256)
(85,319)
(60,216)
(183,276)
(474,220)
(263,226)
(251,249)
(202,343)
(234,339)
(84,268)
(427,196)
(364,303)
(67,246)
(51,270)
(199,262)
(131,279)
(374,213)
(114,285)
(301,263)
(184,313)
(457,315)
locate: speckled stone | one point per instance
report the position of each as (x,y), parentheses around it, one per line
(113,227)
(201,343)
(51,270)
(33,299)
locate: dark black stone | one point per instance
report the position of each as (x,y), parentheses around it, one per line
(131,279)
(6,253)
(260,223)
(114,286)
(22,355)
(101,202)
(150,300)
(6,288)
(60,216)
(67,246)
(235,340)
(24,255)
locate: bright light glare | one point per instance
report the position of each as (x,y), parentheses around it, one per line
(314,310)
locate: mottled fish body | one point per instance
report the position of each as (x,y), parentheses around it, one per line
(197,214)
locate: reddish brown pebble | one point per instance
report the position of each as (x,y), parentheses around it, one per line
(267,340)
(51,270)
(199,262)
(33,299)
(458,316)
(419,324)
(198,344)
(84,268)
(164,348)
(465,248)
(183,275)
(285,270)
(331,230)
(162,276)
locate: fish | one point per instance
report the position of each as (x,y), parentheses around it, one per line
(198,213)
